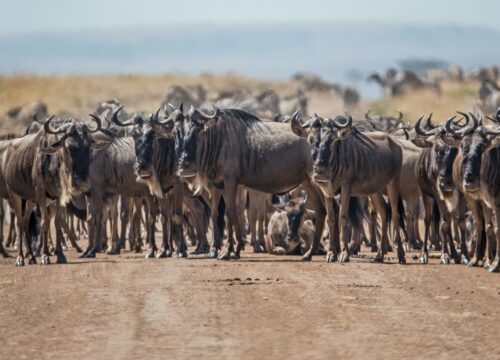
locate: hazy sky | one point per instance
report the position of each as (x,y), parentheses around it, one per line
(27,16)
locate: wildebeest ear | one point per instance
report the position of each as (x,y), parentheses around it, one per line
(421,142)
(449,139)
(100,144)
(50,149)
(297,125)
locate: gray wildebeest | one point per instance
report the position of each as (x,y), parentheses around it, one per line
(435,178)
(48,167)
(232,147)
(476,172)
(358,164)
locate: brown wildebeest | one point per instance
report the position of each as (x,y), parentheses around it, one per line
(290,231)
(48,167)
(257,202)
(358,164)
(476,172)
(231,148)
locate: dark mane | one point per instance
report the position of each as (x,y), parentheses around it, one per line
(248,119)
(8,136)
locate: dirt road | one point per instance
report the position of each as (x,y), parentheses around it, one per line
(258,307)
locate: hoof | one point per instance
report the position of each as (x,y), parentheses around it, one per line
(65,247)
(379,258)
(331,257)
(402,260)
(306,257)
(374,249)
(182,254)
(445,260)
(200,251)
(344,257)
(150,254)
(495,267)
(213,254)
(20,261)
(169,253)
(235,256)
(89,255)
(61,260)
(225,255)
(113,251)
(456,258)
(45,260)
(474,262)
(258,249)
(424,258)
(161,254)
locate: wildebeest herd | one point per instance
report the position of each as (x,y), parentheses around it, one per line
(212,175)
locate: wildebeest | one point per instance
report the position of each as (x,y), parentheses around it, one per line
(290,230)
(476,173)
(25,115)
(358,164)
(155,166)
(397,83)
(434,175)
(49,167)
(232,147)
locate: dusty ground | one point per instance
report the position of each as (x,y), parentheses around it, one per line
(258,307)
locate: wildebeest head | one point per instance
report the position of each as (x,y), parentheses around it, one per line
(443,151)
(296,212)
(473,141)
(75,143)
(186,136)
(332,130)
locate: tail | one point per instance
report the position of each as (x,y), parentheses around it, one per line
(402,217)
(435,217)
(34,224)
(356,214)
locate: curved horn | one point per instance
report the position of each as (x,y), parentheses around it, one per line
(48,130)
(400,117)
(348,121)
(169,105)
(367,115)
(98,124)
(419,130)
(114,118)
(475,124)
(428,122)
(156,115)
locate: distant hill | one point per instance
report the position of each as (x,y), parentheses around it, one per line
(340,51)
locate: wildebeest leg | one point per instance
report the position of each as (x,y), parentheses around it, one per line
(413,207)
(475,208)
(345,196)
(490,236)
(230,193)
(380,205)
(331,215)
(135,226)
(70,232)
(4,253)
(61,258)
(445,231)
(315,199)
(460,219)
(427,201)
(44,226)
(495,266)
(125,205)
(372,218)
(150,227)
(178,219)
(261,230)
(394,198)
(11,237)
(165,225)
(115,240)
(197,212)
(217,231)
(95,212)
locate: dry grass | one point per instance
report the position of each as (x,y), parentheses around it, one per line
(81,94)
